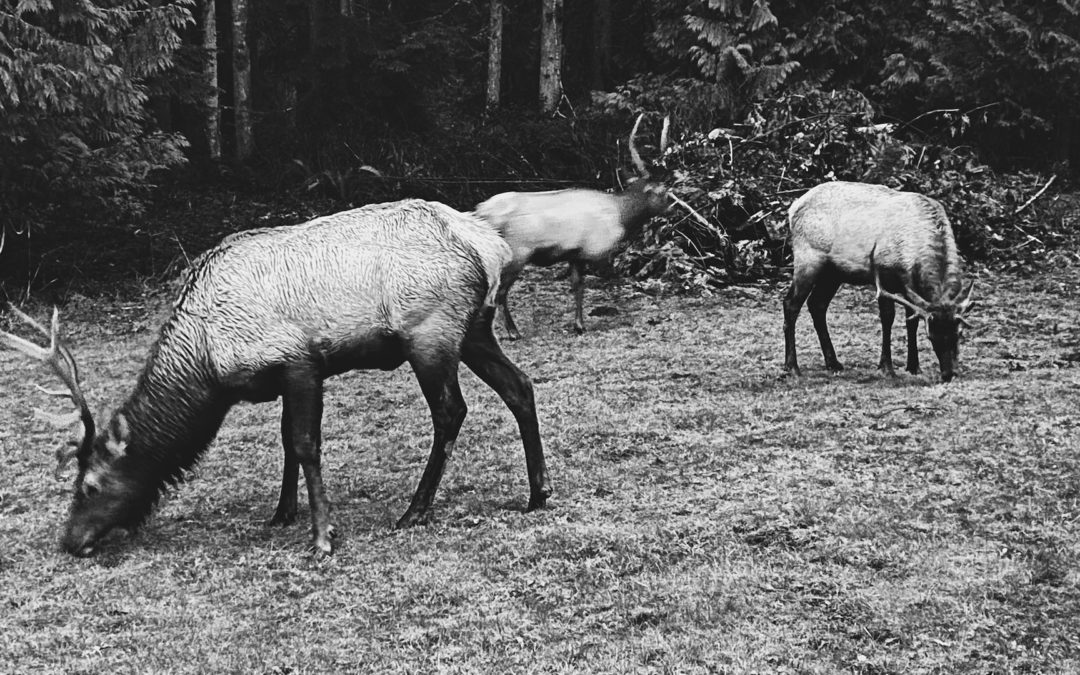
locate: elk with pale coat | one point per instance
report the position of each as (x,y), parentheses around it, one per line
(271,313)
(902,243)
(578,225)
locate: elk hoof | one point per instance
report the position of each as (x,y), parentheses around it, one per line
(834,367)
(580,330)
(410,519)
(887,369)
(513,335)
(321,547)
(538,501)
(283,517)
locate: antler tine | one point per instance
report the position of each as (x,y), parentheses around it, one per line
(634,156)
(882,293)
(56,356)
(664,135)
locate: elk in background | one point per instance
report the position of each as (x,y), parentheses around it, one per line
(577,225)
(272,313)
(901,242)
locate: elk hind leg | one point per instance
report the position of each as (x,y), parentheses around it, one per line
(577,284)
(439,382)
(482,354)
(818,304)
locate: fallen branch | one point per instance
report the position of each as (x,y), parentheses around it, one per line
(1036,195)
(700,218)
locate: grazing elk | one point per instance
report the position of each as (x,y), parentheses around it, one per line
(577,225)
(869,234)
(273,312)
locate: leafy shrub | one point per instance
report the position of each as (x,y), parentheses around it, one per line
(745,176)
(74,127)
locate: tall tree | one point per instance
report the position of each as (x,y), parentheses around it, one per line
(494,71)
(551,28)
(241,66)
(211,111)
(601,51)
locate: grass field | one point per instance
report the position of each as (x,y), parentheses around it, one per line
(708,515)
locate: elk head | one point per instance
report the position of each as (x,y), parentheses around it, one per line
(650,179)
(944,319)
(105,496)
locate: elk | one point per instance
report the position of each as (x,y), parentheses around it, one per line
(578,225)
(272,313)
(902,243)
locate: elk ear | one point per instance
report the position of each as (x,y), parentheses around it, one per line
(118,435)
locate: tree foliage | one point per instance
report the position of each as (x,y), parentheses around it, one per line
(74,88)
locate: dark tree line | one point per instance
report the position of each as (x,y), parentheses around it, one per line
(376,99)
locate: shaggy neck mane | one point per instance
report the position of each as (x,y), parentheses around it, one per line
(175,410)
(940,276)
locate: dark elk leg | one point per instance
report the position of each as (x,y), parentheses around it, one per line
(509,276)
(887,311)
(912,342)
(303,410)
(797,293)
(577,284)
(818,304)
(285,513)
(482,354)
(439,383)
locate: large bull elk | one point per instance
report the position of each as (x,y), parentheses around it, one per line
(578,225)
(900,242)
(271,313)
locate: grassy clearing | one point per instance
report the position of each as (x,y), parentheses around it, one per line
(709,516)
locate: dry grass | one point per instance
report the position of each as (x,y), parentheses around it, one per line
(709,516)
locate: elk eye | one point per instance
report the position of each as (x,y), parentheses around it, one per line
(89,489)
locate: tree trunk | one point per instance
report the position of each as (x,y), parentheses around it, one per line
(551,56)
(314,27)
(601,53)
(210,107)
(241,63)
(494,73)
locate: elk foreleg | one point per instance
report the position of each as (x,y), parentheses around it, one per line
(303,407)
(285,513)
(482,354)
(887,311)
(439,383)
(509,276)
(912,342)
(577,284)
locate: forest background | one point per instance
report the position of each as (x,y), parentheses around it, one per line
(134,133)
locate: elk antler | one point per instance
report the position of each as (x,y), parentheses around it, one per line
(62,363)
(919,309)
(634,156)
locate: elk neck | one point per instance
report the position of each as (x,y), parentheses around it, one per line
(634,207)
(937,272)
(176,408)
